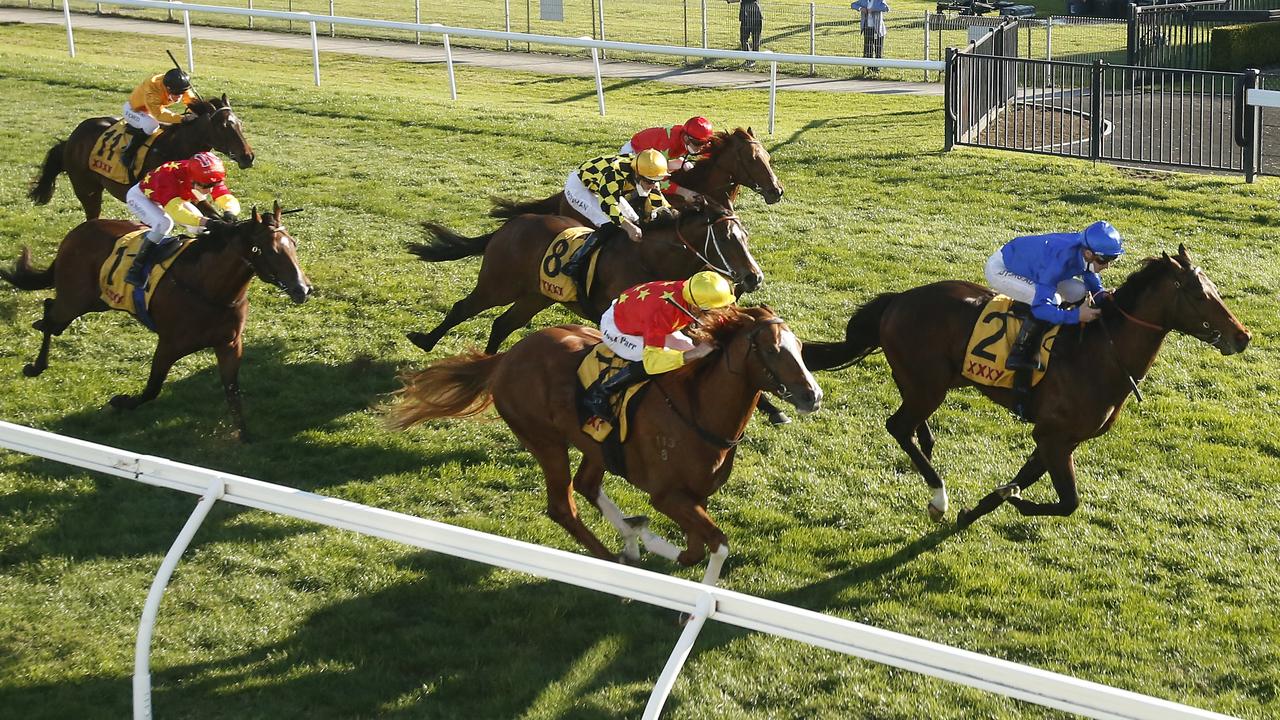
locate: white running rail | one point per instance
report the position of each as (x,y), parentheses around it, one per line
(702,602)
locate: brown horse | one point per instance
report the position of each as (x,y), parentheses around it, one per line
(201,301)
(682,440)
(734,159)
(673,248)
(925,331)
(213,126)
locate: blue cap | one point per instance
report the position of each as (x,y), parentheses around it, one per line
(1102,239)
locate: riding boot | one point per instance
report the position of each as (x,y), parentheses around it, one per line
(136,138)
(598,395)
(134,275)
(1025,354)
(578,261)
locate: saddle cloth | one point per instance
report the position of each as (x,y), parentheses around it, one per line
(105,157)
(118,294)
(992,339)
(551,281)
(600,364)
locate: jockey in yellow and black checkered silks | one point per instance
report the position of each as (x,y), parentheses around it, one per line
(599,190)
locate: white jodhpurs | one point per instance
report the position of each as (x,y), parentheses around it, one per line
(150,214)
(142,121)
(627,149)
(1007,282)
(588,203)
(631,347)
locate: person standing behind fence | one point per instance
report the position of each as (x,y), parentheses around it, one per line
(871,13)
(750,25)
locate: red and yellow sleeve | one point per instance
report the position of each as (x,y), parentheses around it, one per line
(183,211)
(658,360)
(224,200)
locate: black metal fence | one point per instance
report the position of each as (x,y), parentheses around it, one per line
(1178,35)
(1189,119)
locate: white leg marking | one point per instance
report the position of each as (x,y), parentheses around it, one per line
(714,564)
(940,499)
(659,545)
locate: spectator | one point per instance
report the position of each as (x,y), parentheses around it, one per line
(871,13)
(750,25)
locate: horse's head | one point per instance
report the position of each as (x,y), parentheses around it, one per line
(749,164)
(1197,308)
(717,237)
(272,253)
(770,352)
(220,129)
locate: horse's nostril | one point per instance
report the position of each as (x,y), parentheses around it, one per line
(1242,338)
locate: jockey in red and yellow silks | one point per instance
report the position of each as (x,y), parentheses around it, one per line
(643,325)
(681,144)
(147,108)
(169,193)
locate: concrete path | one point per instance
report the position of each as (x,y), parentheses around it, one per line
(514,61)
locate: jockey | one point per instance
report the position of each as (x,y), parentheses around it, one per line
(599,190)
(643,326)
(148,108)
(682,144)
(169,192)
(1042,271)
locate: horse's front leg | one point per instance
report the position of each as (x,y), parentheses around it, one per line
(165,356)
(701,532)
(1056,455)
(229,357)
(1032,470)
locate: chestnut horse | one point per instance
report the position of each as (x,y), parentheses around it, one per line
(697,238)
(201,301)
(212,126)
(925,331)
(682,439)
(734,159)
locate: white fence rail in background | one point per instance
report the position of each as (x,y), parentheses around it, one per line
(702,602)
(446,31)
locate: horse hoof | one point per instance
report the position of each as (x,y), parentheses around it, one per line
(626,559)
(31,370)
(421,341)
(122,402)
(935,514)
(779,418)
(964,519)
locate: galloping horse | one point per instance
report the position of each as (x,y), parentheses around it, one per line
(734,159)
(213,127)
(697,238)
(924,332)
(683,437)
(201,302)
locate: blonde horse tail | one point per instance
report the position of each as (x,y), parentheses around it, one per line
(454,387)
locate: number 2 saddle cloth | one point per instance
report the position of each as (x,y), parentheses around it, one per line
(118,294)
(551,281)
(992,339)
(105,158)
(599,364)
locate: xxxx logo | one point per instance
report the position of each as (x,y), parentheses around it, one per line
(553,290)
(982,370)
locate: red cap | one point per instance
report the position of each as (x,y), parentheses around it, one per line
(698,128)
(206,169)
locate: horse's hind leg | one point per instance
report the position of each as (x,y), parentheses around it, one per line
(554,459)
(1056,456)
(1032,470)
(701,532)
(903,426)
(515,317)
(589,483)
(924,435)
(463,310)
(53,321)
(229,357)
(164,358)
(89,193)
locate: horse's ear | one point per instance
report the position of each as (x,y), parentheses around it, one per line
(1182,253)
(256,217)
(225,101)
(751,132)
(275,210)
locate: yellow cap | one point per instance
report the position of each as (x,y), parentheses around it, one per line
(652,165)
(708,290)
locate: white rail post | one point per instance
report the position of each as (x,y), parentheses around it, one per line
(603,53)
(926,43)
(506,11)
(773,90)
(331,29)
(1048,42)
(417,20)
(662,689)
(191,53)
(813,38)
(704,28)
(448,61)
(146,626)
(595,60)
(66,15)
(251,17)
(315,54)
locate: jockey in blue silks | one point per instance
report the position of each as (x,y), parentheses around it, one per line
(1045,272)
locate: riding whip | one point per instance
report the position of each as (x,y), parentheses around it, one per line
(175,64)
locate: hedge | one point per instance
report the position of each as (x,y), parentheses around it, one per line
(1236,47)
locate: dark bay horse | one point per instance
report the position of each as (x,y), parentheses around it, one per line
(213,127)
(734,159)
(682,441)
(201,302)
(697,238)
(925,331)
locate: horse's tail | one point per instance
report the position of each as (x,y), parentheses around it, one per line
(445,244)
(504,208)
(24,276)
(42,187)
(861,338)
(454,387)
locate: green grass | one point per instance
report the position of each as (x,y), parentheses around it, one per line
(1163,582)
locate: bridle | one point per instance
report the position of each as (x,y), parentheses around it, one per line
(710,243)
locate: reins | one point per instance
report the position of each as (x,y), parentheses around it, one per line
(709,242)
(1106,331)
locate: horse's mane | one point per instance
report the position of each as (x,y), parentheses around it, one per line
(668,221)
(1152,270)
(202,107)
(215,239)
(719,326)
